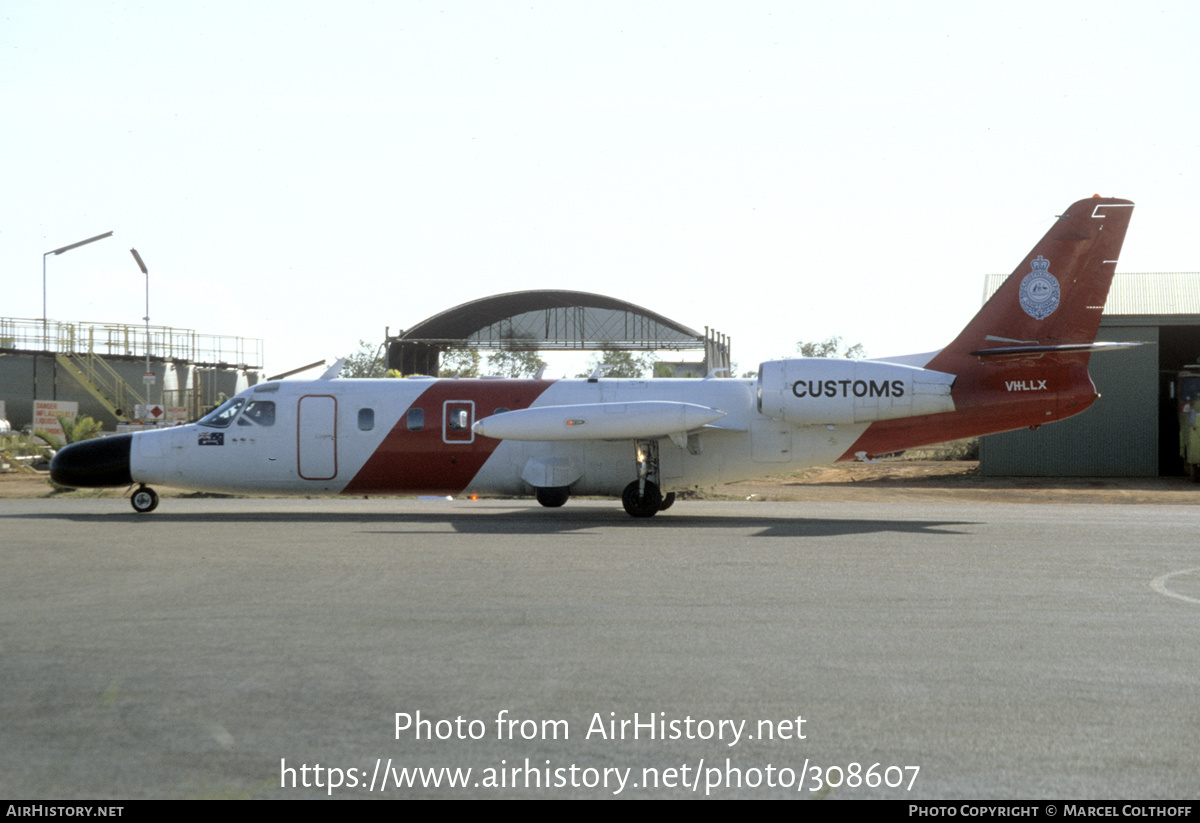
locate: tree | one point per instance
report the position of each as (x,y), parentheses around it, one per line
(366,362)
(17,450)
(624,363)
(459,363)
(74,430)
(830,348)
(514,362)
(518,358)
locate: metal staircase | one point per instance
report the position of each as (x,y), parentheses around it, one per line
(103,382)
(104,359)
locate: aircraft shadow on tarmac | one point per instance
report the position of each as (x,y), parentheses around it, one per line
(533,522)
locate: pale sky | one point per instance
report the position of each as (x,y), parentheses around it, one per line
(313,173)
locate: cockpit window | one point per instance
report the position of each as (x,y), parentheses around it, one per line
(261,412)
(223,415)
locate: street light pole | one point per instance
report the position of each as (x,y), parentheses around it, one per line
(146,272)
(45,323)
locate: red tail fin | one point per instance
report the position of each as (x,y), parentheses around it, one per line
(1022,361)
(1057,294)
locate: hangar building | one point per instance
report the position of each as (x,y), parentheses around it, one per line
(552,320)
(1131,430)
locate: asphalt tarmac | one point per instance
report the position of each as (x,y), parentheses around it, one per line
(303,648)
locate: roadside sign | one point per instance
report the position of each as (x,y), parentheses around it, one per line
(149,412)
(46,412)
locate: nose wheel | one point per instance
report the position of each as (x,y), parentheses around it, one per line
(144,500)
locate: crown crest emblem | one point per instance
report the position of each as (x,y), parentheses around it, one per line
(1039,293)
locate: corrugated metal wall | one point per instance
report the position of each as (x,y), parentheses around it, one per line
(1116,437)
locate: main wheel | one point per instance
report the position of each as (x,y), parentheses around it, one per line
(553,496)
(646,504)
(144,500)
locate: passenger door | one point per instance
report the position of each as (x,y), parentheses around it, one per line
(316,437)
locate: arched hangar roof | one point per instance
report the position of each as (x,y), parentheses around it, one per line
(553,319)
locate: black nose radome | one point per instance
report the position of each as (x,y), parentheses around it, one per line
(103,461)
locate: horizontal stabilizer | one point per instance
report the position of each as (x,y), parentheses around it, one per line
(598,421)
(1062,348)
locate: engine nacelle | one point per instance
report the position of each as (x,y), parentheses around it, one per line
(817,391)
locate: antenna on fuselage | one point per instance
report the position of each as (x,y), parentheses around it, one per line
(296,371)
(334,370)
(599,371)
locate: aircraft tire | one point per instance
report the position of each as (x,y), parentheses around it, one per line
(553,496)
(667,502)
(644,505)
(144,500)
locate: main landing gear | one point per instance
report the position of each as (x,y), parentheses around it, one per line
(553,496)
(643,497)
(144,500)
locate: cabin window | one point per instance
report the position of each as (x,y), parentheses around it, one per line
(458,420)
(416,420)
(261,412)
(366,419)
(223,415)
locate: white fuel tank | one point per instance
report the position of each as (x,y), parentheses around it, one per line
(598,421)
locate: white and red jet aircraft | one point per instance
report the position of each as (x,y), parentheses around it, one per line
(1022,361)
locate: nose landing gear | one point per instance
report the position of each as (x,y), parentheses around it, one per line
(144,500)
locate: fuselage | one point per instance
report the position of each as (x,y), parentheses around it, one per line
(1021,361)
(593,437)
(415,436)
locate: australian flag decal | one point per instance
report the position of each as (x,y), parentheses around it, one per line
(212,438)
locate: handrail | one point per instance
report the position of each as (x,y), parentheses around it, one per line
(121,339)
